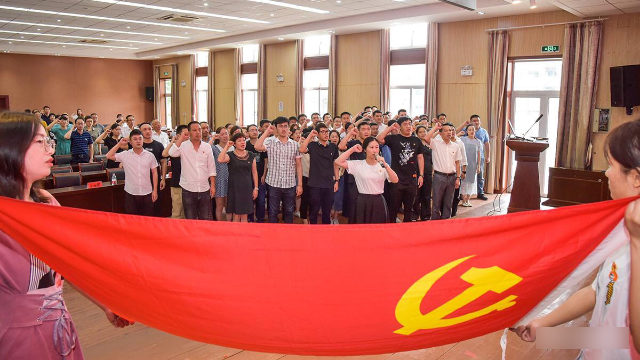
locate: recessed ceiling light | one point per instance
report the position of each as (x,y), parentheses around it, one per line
(38,29)
(92,29)
(85,16)
(64,46)
(101,34)
(532,4)
(74,44)
(292,6)
(280,38)
(516,1)
(206,4)
(272,15)
(110,49)
(338,2)
(480,13)
(164,8)
(58,20)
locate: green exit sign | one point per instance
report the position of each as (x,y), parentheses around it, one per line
(551,48)
(166,73)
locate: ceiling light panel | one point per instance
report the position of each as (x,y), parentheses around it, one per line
(66,14)
(92,29)
(291,6)
(64,43)
(181,11)
(79,37)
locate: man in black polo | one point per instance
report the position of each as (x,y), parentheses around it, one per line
(156,148)
(408,162)
(323,174)
(356,136)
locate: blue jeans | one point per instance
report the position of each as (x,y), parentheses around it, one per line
(197,205)
(288,198)
(481,177)
(258,215)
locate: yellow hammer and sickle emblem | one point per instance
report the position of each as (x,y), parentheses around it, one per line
(483,280)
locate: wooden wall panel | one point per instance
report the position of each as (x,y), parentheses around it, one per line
(281,59)
(224,88)
(185,113)
(358,71)
(620,47)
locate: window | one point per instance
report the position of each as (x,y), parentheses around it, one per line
(408,36)
(166,103)
(316,91)
(202,86)
(249,99)
(406,88)
(250,53)
(317,46)
(202,89)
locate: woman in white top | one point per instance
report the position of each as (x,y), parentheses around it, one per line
(614,296)
(370,175)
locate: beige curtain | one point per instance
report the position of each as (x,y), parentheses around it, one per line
(430,88)
(496,94)
(580,62)
(194,101)
(175,97)
(210,95)
(332,106)
(238,88)
(262,83)
(299,77)
(157,100)
(385,63)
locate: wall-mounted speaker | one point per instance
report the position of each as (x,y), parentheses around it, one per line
(149,93)
(625,87)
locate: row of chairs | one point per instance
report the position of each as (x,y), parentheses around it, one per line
(82,167)
(75,178)
(66,159)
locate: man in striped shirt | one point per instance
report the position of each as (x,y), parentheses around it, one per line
(284,175)
(81,149)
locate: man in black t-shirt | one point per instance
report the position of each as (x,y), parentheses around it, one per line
(323,173)
(407,161)
(156,148)
(355,136)
(262,160)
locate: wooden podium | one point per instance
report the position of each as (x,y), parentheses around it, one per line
(525,193)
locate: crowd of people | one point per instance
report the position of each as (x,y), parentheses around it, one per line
(38,325)
(294,166)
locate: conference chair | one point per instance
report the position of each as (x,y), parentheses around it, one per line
(64,180)
(119,174)
(103,150)
(101,158)
(94,166)
(62,159)
(63,169)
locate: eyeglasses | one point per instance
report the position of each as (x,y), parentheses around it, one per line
(47,143)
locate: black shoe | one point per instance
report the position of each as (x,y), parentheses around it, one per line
(482,197)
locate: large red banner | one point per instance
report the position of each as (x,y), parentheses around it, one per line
(322,290)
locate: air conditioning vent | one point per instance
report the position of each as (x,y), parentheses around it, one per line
(92,41)
(178,18)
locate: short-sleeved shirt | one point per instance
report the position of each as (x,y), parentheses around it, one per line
(110,142)
(80,143)
(137,170)
(369,178)
(321,167)
(155,148)
(282,162)
(63,146)
(260,157)
(355,155)
(176,169)
(483,136)
(445,155)
(404,156)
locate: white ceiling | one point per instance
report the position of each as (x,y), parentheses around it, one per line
(117,22)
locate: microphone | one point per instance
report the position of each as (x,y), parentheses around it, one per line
(534,123)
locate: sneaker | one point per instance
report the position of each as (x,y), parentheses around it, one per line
(296,213)
(482,197)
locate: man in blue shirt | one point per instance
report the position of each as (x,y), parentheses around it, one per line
(81,149)
(485,150)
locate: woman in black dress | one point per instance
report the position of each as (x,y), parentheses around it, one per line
(243,178)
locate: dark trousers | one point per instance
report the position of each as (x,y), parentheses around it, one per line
(350,197)
(288,198)
(304,199)
(422,205)
(138,204)
(79,158)
(456,201)
(260,203)
(442,194)
(320,198)
(405,195)
(197,205)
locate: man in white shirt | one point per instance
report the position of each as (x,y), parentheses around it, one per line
(128,125)
(140,192)
(198,175)
(446,157)
(157,134)
(377,118)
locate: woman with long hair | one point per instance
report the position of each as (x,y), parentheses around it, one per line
(614,296)
(370,175)
(34,321)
